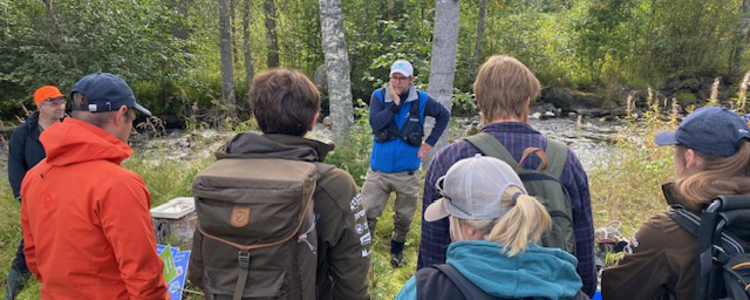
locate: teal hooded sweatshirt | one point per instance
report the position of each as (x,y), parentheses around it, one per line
(537,272)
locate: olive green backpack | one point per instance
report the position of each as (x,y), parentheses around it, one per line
(256,236)
(543,183)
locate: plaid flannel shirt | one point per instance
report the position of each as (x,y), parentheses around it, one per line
(516,137)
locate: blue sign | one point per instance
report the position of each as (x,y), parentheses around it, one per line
(181,260)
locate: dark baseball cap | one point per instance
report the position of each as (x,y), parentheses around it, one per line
(713,130)
(106,92)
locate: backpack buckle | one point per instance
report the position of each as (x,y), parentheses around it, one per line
(243,259)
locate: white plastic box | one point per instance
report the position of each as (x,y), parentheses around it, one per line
(175,208)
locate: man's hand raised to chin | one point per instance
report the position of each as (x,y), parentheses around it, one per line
(394,96)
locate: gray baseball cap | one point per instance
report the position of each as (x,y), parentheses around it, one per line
(472,189)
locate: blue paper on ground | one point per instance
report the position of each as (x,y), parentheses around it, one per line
(181,259)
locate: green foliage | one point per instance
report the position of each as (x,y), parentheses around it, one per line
(597,33)
(168,50)
(686,99)
(58,42)
(354,157)
(464,104)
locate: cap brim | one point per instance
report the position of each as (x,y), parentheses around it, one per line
(667,138)
(142,109)
(402,72)
(436,211)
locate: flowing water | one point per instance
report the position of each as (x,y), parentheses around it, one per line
(591,140)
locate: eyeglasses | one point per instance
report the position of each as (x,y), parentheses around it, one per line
(56,101)
(399,79)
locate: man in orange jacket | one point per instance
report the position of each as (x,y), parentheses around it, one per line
(85,218)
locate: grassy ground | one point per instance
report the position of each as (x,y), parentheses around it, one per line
(625,187)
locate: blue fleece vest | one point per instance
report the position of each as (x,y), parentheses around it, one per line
(396,155)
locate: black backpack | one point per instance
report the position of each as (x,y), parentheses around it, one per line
(445,282)
(722,269)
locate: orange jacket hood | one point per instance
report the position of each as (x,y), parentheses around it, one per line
(66,143)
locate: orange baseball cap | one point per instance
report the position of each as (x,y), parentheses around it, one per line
(46,92)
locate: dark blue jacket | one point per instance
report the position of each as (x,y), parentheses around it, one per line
(25,151)
(396,155)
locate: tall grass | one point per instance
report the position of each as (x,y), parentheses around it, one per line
(627,185)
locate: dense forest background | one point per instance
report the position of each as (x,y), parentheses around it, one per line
(169,51)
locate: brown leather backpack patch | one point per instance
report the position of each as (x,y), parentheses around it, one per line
(240,216)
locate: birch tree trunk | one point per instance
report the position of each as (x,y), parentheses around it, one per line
(249,70)
(480,36)
(742,37)
(272,42)
(443,63)
(227,76)
(338,69)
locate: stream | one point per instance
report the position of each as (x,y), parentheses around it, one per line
(591,140)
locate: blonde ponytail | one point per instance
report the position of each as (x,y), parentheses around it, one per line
(524,223)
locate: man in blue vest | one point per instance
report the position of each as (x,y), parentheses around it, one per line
(397,114)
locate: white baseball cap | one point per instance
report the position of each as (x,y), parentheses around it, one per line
(473,188)
(403,67)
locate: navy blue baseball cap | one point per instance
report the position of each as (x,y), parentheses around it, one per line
(713,130)
(105,92)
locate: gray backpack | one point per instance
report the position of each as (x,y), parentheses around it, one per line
(256,236)
(542,183)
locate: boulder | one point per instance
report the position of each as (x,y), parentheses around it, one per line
(573,101)
(675,84)
(693,84)
(172,121)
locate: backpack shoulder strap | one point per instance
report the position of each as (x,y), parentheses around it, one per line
(467,288)
(557,155)
(490,146)
(416,109)
(686,219)
(692,222)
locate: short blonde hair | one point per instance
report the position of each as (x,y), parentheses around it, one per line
(502,87)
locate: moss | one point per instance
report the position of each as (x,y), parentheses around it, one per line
(686,98)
